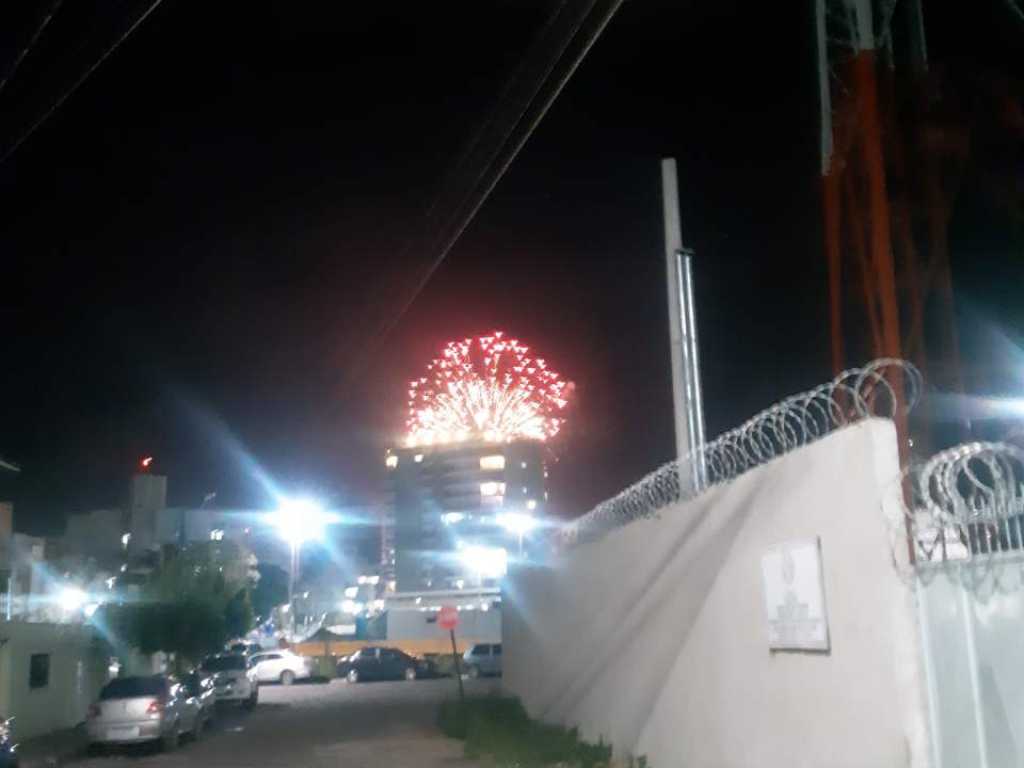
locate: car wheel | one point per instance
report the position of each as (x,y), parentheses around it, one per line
(352,676)
(253,699)
(170,740)
(410,673)
(287,677)
(473,672)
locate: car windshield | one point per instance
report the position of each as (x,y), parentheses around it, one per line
(133,687)
(224,664)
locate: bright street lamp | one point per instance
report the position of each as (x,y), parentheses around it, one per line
(299,520)
(72,598)
(519,524)
(485,562)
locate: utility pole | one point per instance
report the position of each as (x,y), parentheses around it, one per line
(687,399)
(293,572)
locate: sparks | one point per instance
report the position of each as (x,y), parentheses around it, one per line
(487,388)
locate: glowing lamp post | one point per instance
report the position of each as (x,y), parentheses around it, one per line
(519,524)
(297,521)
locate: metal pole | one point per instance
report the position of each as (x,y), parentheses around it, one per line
(458,667)
(691,367)
(293,566)
(686,393)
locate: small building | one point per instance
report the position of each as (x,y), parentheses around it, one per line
(49,674)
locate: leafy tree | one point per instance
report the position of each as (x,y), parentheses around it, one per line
(196,599)
(271,590)
(238,614)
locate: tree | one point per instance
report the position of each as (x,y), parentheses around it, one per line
(271,590)
(195,600)
(238,614)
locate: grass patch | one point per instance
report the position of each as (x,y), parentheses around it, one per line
(499,728)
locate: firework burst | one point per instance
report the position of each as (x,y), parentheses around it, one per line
(487,388)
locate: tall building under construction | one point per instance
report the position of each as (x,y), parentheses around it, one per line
(462,511)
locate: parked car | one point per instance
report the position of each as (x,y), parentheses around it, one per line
(246,649)
(482,659)
(233,680)
(8,748)
(132,710)
(200,686)
(382,664)
(281,666)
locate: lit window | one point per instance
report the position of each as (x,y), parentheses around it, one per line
(125,538)
(217,534)
(496,461)
(351,592)
(418,458)
(491,488)
(531,503)
(524,465)
(391,461)
(450,518)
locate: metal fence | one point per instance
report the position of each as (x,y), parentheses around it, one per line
(966,503)
(854,395)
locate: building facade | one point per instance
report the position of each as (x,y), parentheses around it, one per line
(462,511)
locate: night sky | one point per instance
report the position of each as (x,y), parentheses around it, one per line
(201,247)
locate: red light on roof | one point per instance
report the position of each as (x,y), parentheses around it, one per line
(146,462)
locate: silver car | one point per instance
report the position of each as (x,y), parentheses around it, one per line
(133,710)
(482,659)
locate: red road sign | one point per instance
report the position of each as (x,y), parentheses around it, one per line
(448,617)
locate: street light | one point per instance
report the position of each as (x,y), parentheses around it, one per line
(72,598)
(297,521)
(485,562)
(519,524)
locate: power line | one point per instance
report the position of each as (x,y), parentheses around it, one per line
(74,86)
(561,46)
(31,43)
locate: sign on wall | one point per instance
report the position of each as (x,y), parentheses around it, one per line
(794,594)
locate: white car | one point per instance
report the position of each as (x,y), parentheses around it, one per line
(233,679)
(281,666)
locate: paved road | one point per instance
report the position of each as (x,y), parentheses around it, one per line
(371,725)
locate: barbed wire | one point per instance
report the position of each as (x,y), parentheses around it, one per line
(854,395)
(965,503)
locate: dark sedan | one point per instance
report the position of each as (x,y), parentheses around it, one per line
(382,664)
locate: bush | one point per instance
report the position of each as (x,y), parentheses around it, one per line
(499,727)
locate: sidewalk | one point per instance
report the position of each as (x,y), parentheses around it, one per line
(51,749)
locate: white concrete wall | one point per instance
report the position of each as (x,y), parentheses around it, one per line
(654,638)
(77,672)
